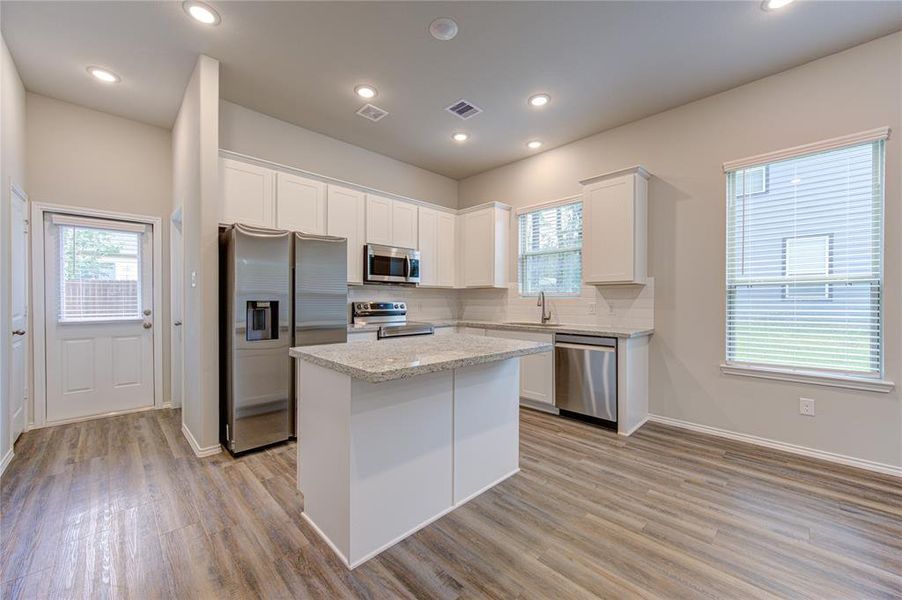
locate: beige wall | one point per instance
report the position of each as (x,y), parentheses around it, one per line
(255,134)
(684,149)
(12,170)
(195,147)
(90,159)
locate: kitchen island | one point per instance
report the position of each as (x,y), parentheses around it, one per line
(393,434)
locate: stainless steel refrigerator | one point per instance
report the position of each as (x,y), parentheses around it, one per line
(277,289)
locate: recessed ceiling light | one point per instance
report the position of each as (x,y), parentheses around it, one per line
(365,91)
(443,28)
(201,12)
(460,136)
(534,145)
(539,99)
(774,4)
(104,75)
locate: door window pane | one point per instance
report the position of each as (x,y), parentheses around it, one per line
(100,274)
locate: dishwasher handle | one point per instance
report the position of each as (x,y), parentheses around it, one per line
(585,340)
(585,347)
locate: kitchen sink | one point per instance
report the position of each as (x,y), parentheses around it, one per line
(532,323)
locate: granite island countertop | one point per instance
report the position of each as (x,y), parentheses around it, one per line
(601,330)
(402,358)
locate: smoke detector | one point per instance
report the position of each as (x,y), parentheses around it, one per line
(371,112)
(464,109)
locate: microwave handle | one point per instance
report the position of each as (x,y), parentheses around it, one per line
(406,267)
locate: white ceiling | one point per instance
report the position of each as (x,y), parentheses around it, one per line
(604,63)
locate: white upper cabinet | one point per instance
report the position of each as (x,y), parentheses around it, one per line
(378,220)
(484,246)
(346,217)
(437,248)
(246,194)
(391,222)
(300,204)
(615,216)
(404,224)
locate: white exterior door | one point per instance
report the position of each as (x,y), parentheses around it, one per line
(99,322)
(18,391)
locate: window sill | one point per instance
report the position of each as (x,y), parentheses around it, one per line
(828,379)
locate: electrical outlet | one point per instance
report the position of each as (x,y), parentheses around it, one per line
(806,407)
(591,308)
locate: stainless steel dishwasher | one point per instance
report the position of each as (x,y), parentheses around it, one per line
(585,375)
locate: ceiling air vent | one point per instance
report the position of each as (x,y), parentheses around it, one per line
(373,113)
(464,109)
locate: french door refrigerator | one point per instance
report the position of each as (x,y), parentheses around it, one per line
(277,289)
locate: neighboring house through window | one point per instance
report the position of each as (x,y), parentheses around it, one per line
(804,261)
(550,250)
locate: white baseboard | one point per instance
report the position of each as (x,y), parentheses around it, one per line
(634,428)
(841,459)
(198,451)
(8,458)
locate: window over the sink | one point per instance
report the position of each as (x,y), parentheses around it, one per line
(550,257)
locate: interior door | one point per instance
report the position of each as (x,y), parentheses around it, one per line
(99,322)
(18,391)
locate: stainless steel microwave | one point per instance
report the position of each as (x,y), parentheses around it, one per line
(387,264)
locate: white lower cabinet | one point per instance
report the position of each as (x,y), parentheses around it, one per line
(536,370)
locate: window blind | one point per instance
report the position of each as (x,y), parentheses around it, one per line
(100,274)
(550,254)
(804,263)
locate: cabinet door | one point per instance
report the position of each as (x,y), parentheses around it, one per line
(478,251)
(445,249)
(608,240)
(404,224)
(536,370)
(300,204)
(428,244)
(345,218)
(246,194)
(378,220)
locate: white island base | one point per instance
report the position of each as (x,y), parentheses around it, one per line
(379,461)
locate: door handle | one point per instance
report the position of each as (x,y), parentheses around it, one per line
(19,332)
(147,325)
(177,324)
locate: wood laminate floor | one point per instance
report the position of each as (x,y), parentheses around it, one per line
(120,507)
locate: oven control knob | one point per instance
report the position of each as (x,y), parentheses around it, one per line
(396,306)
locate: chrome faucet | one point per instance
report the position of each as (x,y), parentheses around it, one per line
(541,302)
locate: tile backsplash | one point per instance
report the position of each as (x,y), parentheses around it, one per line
(610,306)
(613,306)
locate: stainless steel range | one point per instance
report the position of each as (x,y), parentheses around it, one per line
(391,318)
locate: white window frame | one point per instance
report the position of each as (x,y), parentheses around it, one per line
(537,208)
(809,376)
